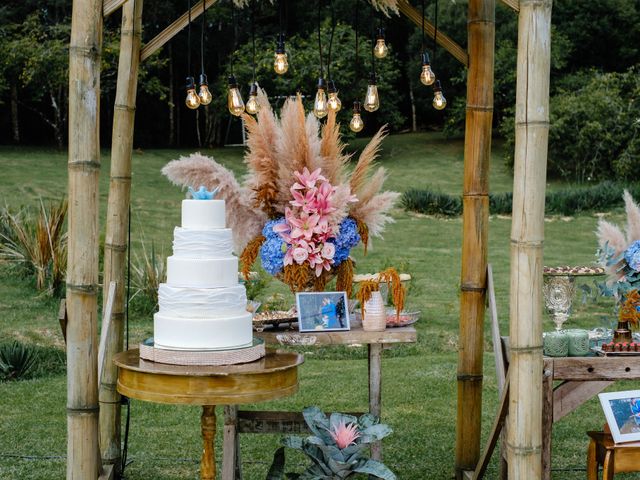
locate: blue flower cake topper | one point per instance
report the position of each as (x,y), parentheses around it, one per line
(203,194)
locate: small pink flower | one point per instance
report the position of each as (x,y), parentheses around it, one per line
(344,435)
(305,201)
(328,251)
(324,264)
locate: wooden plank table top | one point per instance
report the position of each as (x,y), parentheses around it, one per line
(350,337)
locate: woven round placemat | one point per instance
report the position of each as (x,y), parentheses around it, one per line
(148,351)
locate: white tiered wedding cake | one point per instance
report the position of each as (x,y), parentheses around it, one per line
(202,305)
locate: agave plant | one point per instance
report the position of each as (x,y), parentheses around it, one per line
(16,360)
(336,447)
(147,273)
(37,242)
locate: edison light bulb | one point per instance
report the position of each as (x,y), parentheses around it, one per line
(280,62)
(439,102)
(253,106)
(320,107)
(380,50)
(333,103)
(192,101)
(203,93)
(427,77)
(234,99)
(371,99)
(356,124)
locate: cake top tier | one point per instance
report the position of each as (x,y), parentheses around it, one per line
(203,214)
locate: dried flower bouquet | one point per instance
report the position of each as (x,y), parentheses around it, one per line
(300,208)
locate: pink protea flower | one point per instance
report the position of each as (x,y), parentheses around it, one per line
(344,435)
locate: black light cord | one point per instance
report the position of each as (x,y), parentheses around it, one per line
(235,33)
(253,40)
(435,34)
(423,46)
(373,42)
(189,39)
(357,42)
(333,28)
(320,42)
(126,400)
(204,21)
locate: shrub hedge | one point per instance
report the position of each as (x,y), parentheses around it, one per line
(570,201)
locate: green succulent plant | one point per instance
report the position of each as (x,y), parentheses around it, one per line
(336,448)
(16,360)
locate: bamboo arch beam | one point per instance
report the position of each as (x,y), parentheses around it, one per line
(443,40)
(172,30)
(110,6)
(83,459)
(512,4)
(115,244)
(524,435)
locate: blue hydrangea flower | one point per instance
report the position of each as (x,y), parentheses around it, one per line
(345,241)
(268,232)
(272,254)
(632,256)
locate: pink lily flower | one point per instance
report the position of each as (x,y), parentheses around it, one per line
(305,201)
(303,226)
(307,179)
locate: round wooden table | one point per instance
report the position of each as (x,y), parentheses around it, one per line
(274,376)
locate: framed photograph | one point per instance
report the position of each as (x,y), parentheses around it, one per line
(622,410)
(322,311)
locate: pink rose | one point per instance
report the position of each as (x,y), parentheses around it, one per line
(300,255)
(328,251)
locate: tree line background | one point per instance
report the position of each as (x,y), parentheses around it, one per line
(595,85)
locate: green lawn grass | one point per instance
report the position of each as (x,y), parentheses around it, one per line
(419,388)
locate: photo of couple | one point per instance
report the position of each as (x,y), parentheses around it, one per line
(322,311)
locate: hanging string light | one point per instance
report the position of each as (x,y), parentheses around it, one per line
(320,107)
(280,62)
(253,106)
(439,102)
(427,77)
(333,103)
(372,99)
(356,124)
(203,92)
(192,101)
(380,50)
(235,104)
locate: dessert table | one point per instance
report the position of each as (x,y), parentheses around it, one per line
(274,376)
(237,422)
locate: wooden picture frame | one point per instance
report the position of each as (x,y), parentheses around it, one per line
(322,311)
(622,410)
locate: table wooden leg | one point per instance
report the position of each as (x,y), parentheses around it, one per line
(208,426)
(231,466)
(592,464)
(375,390)
(607,466)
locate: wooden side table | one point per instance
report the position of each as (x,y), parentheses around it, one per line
(614,457)
(237,422)
(274,376)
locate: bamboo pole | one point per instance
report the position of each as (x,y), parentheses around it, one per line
(83,459)
(524,435)
(475,224)
(115,248)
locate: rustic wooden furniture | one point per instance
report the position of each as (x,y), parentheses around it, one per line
(274,376)
(614,457)
(237,422)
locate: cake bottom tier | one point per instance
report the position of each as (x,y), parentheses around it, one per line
(202,333)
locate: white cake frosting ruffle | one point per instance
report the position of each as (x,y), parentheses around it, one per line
(202,302)
(210,243)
